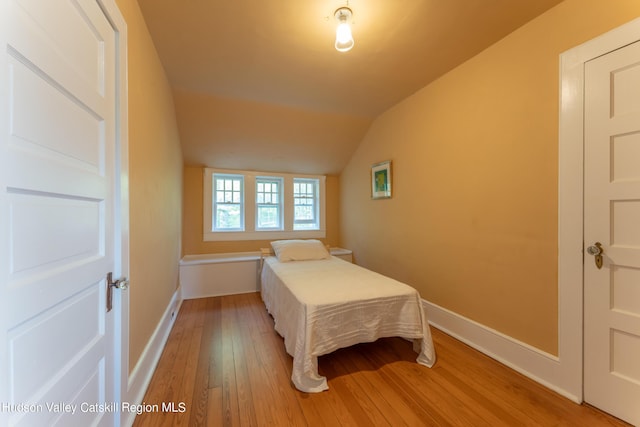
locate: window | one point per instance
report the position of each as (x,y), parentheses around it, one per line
(268,203)
(305,202)
(228,197)
(249,205)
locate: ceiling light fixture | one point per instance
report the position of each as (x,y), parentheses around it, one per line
(344,39)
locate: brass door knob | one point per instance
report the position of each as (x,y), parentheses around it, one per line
(597,251)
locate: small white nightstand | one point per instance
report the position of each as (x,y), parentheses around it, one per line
(344,254)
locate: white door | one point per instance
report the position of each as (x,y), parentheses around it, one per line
(612,218)
(57,144)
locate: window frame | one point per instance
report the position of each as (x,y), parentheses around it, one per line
(315,222)
(214,217)
(279,181)
(251,232)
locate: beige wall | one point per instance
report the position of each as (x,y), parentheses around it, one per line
(155,184)
(192,242)
(473,219)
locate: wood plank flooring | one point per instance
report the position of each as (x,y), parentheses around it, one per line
(226,366)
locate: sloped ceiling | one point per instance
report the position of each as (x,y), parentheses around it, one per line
(259,85)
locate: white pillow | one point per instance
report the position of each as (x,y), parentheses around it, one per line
(299,250)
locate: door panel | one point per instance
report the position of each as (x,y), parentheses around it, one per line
(612,213)
(67,40)
(58,209)
(35,95)
(49,331)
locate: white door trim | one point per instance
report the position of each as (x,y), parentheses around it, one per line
(121,243)
(570,198)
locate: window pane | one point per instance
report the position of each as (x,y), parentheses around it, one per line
(268,217)
(228,216)
(304,212)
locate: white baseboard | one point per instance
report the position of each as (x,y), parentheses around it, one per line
(141,375)
(531,362)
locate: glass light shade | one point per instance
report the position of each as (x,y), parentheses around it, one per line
(344,39)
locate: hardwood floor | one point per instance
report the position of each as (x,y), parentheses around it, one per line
(226,366)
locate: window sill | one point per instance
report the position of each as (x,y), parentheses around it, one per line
(263,235)
(219,258)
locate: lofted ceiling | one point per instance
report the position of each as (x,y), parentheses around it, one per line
(259,85)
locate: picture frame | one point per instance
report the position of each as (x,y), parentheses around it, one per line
(381,180)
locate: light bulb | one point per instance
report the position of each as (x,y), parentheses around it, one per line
(343,33)
(344,38)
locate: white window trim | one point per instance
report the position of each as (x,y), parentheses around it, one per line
(242,202)
(250,232)
(316,201)
(280,181)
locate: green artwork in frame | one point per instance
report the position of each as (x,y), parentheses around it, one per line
(381,180)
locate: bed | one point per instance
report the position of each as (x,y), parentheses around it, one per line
(321,303)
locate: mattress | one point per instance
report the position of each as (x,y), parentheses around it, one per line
(322,305)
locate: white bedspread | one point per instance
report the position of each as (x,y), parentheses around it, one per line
(323,305)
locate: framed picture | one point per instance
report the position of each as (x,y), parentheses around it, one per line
(381,180)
